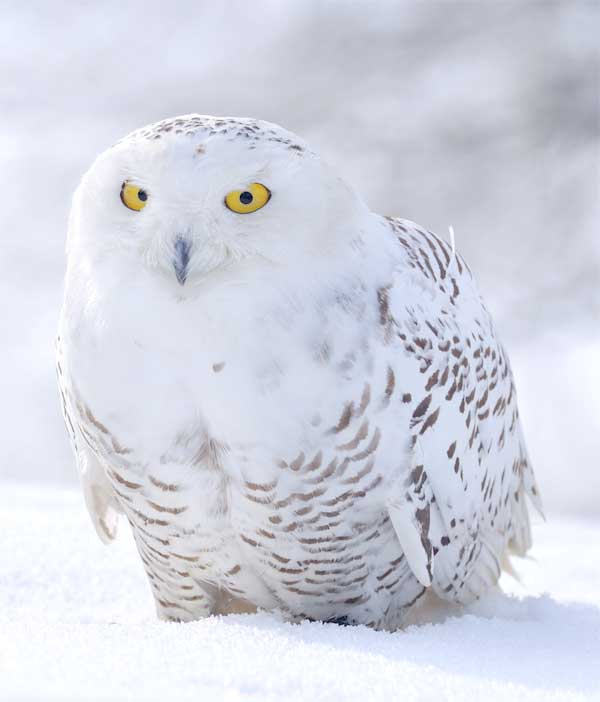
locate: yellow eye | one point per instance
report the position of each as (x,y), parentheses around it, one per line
(248,200)
(133,196)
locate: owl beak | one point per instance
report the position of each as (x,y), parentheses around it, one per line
(181,258)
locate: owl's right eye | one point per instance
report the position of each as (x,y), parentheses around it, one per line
(133,197)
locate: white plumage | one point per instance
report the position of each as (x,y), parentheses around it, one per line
(300,407)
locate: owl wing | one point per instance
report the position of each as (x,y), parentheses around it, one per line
(462,503)
(99,495)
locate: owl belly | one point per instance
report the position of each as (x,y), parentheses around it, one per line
(327,563)
(209,543)
(245,484)
(297,521)
(317,531)
(291,517)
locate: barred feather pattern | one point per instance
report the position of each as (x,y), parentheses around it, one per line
(413,477)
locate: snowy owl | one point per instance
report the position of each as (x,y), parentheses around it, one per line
(298,404)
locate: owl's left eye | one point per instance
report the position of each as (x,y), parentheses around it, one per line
(133,197)
(252,198)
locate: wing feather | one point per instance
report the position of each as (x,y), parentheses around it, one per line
(99,495)
(462,504)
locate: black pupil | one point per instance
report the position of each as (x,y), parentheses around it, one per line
(246,198)
(143,195)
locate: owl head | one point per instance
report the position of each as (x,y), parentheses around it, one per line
(194,195)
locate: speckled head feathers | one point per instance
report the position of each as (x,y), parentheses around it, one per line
(252,131)
(178,178)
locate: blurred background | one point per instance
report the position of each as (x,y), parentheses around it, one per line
(483,115)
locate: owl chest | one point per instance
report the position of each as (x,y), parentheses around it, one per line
(282,508)
(169,405)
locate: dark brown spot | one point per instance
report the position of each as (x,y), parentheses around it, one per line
(421,408)
(149,520)
(373,444)
(297,463)
(390,385)
(430,421)
(360,435)
(262,487)
(117,448)
(169,510)
(95,422)
(315,463)
(360,475)
(189,559)
(433,379)
(344,420)
(126,483)
(364,400)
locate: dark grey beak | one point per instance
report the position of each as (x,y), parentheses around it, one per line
(181,258)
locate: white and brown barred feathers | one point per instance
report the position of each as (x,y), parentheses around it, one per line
(410,474)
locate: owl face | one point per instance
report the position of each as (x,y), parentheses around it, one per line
(213,194)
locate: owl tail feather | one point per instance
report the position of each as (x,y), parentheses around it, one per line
(508,567)
(99,498)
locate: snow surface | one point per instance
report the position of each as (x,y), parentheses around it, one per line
(77,622)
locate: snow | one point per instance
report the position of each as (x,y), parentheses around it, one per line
(77,622)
